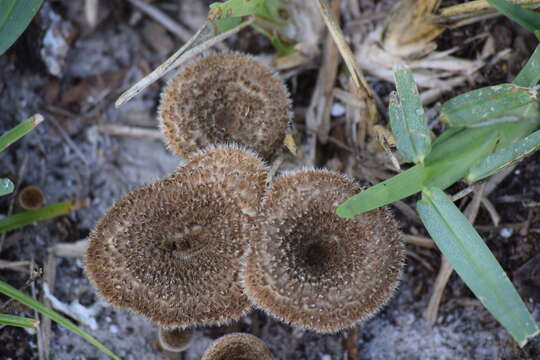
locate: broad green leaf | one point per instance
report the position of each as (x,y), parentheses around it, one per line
(504,157)
(15,15)
(6,187)
(473,261)
(486,105)
(19,131)
(30,216)
(530,20)
(19,321)
(227,24)
(409,123)
(529,76)
(268,9)
(21,297)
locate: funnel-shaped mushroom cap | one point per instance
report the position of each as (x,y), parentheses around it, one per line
(316,270)
(171,250)
(238,346)
(175,340)
(225,98)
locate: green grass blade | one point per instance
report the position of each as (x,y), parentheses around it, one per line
(488,104)
(37,306)
(15,15)
(31,216)
(475,264)
(530,20)
(505,157)
(446,164)
(409,123)
(19,321)
(397,187)
(9,137)
(6,187)
(529,76)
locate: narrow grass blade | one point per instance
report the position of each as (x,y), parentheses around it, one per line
(30,216)
(530,20)
(446,164)
(19,131)
(19,321)
(475,264)
(21,297)
(529,76)
(6,187)
(491,103)
(15,15)
(409,123)
(505,157)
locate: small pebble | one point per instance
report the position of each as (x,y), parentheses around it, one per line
(337,109)
(506,232)
(113,329)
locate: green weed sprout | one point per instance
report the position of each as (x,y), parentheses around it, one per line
(268,19)
(488,129)
(25,218)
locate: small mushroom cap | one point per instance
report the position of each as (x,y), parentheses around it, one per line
(31,197)
(225,98)
(171,250)
(238,346)
(314,269)
(175,340)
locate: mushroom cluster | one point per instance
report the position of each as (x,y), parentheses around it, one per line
(203,245)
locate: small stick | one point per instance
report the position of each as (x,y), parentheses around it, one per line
(44,333)
(68,141)
(350,343)
(21,266)
(70,250)
(91,12)
(488,205)
(419,241)
(125,130)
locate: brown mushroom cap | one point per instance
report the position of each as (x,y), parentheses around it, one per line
(238,346)
(31,197)
(171,250)
(313,269)
(175,340)
(224,98)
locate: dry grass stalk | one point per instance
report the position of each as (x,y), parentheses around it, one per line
(472,7)
(364,92)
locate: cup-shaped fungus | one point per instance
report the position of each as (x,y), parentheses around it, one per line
(311,268)
(171,250)
(31,197)
(224,98)
(238,346)
(174,340)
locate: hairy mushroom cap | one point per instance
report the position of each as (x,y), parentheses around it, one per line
(238,346)
(171,250)
(225,98)
(313,269)
(175,340)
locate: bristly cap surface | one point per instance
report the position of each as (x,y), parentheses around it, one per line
(225,98)
(175,340)
(171,250)
(238,346)
(313,269)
